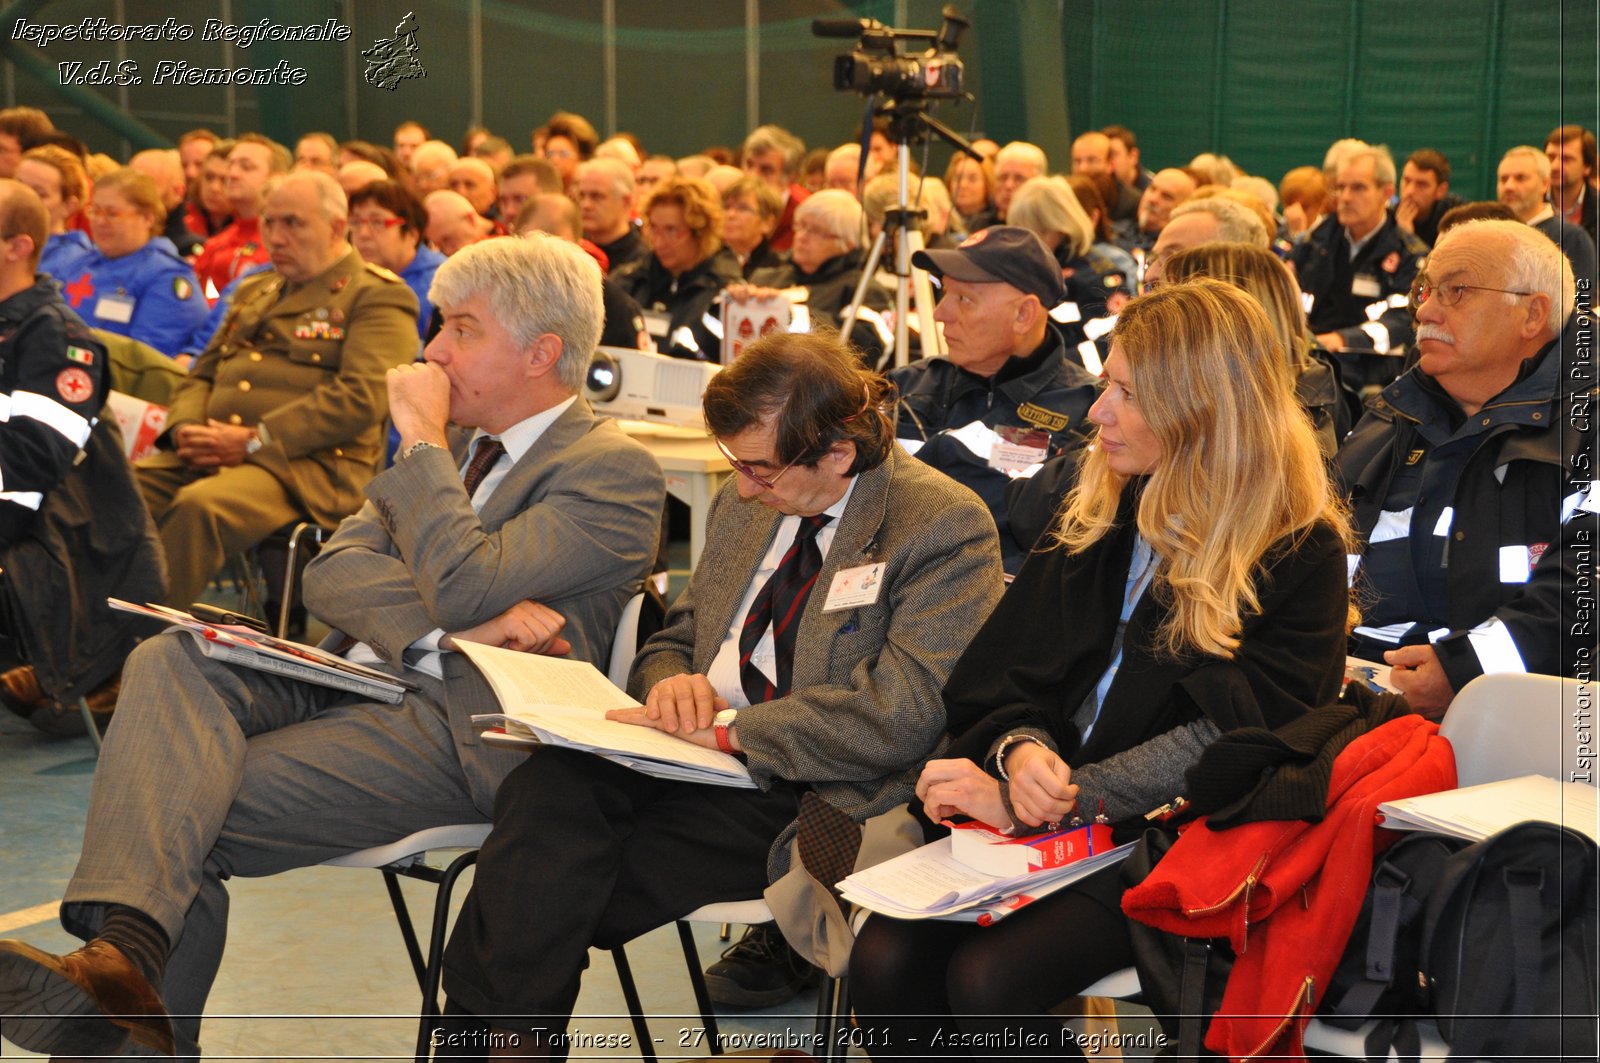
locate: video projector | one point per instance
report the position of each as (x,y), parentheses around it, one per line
(644,386)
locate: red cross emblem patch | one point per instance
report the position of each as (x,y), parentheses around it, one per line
(79,290)
(74,385)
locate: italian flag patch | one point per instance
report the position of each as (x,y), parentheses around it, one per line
(80,355)
(182,288)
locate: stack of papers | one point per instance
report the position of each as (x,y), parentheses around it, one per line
(930,883)
(548,700)
(250,648)
(1476,812)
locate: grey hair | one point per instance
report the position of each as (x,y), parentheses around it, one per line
(536,284)
(1338,151)
(776,138)
(331,200)
(1049,205)
(1541,161)
(1534,263)
(615,170)
(1236,223)
(837,211)
(1024,152)
(1382,162)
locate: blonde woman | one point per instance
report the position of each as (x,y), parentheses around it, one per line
(1262,274)
(1195,584)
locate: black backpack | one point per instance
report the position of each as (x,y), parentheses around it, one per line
(1508,945)
(1494,939)
(1379,975)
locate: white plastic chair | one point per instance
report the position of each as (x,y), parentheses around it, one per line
(1501,726)
(408,856)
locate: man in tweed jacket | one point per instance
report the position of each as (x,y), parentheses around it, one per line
(587,852)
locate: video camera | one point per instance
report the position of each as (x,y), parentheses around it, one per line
(877,65)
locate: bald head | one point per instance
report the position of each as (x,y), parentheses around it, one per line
(1167,189)
(474,179)
(553,213)
(452,221)
(165,168)
(430,166)
(354,176)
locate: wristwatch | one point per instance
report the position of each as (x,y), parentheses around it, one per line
(723,723)
(421,444)
(253,444)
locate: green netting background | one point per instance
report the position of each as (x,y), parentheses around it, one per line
(1270,82)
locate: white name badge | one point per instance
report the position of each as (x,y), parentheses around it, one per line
(657,324)
(854,587)
(1365,286)
(117,308)
(1010,457)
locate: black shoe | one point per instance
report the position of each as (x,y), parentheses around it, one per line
(759,970)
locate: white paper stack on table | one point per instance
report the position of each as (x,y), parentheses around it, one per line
(249,648)
(548,700)
(1476,812)
(931,883)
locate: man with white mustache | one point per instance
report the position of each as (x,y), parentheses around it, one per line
(1470,476)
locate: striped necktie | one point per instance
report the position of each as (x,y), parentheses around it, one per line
(778,605)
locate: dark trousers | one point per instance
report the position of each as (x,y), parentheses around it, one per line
(586,852)
(927,988)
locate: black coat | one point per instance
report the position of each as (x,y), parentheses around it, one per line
(1049,642)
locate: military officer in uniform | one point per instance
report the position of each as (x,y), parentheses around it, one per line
(1007,397)
(281,417)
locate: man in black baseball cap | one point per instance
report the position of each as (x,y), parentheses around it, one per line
(1007,397)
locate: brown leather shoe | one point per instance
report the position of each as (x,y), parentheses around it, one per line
(19,690)
(86,1003)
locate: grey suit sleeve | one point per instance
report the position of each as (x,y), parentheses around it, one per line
(886,713)
(595,513)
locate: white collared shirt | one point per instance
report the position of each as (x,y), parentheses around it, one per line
(724,670)
(423,654)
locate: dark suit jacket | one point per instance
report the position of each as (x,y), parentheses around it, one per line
(574,525)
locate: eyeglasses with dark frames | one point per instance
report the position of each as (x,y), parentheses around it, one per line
(744,469)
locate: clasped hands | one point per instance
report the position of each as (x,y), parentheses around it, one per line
(1042,790)
(212,445)
(682,705)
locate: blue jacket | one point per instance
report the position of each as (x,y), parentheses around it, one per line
(419,277)
(150,295)
(64,253)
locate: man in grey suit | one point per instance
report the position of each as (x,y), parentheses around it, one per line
(823,675)
(211,771)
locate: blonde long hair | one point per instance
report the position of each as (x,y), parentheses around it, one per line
(1239,469)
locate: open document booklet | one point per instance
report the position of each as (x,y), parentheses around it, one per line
(1476,812)
(560,702)
(933,883)
(250,648)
